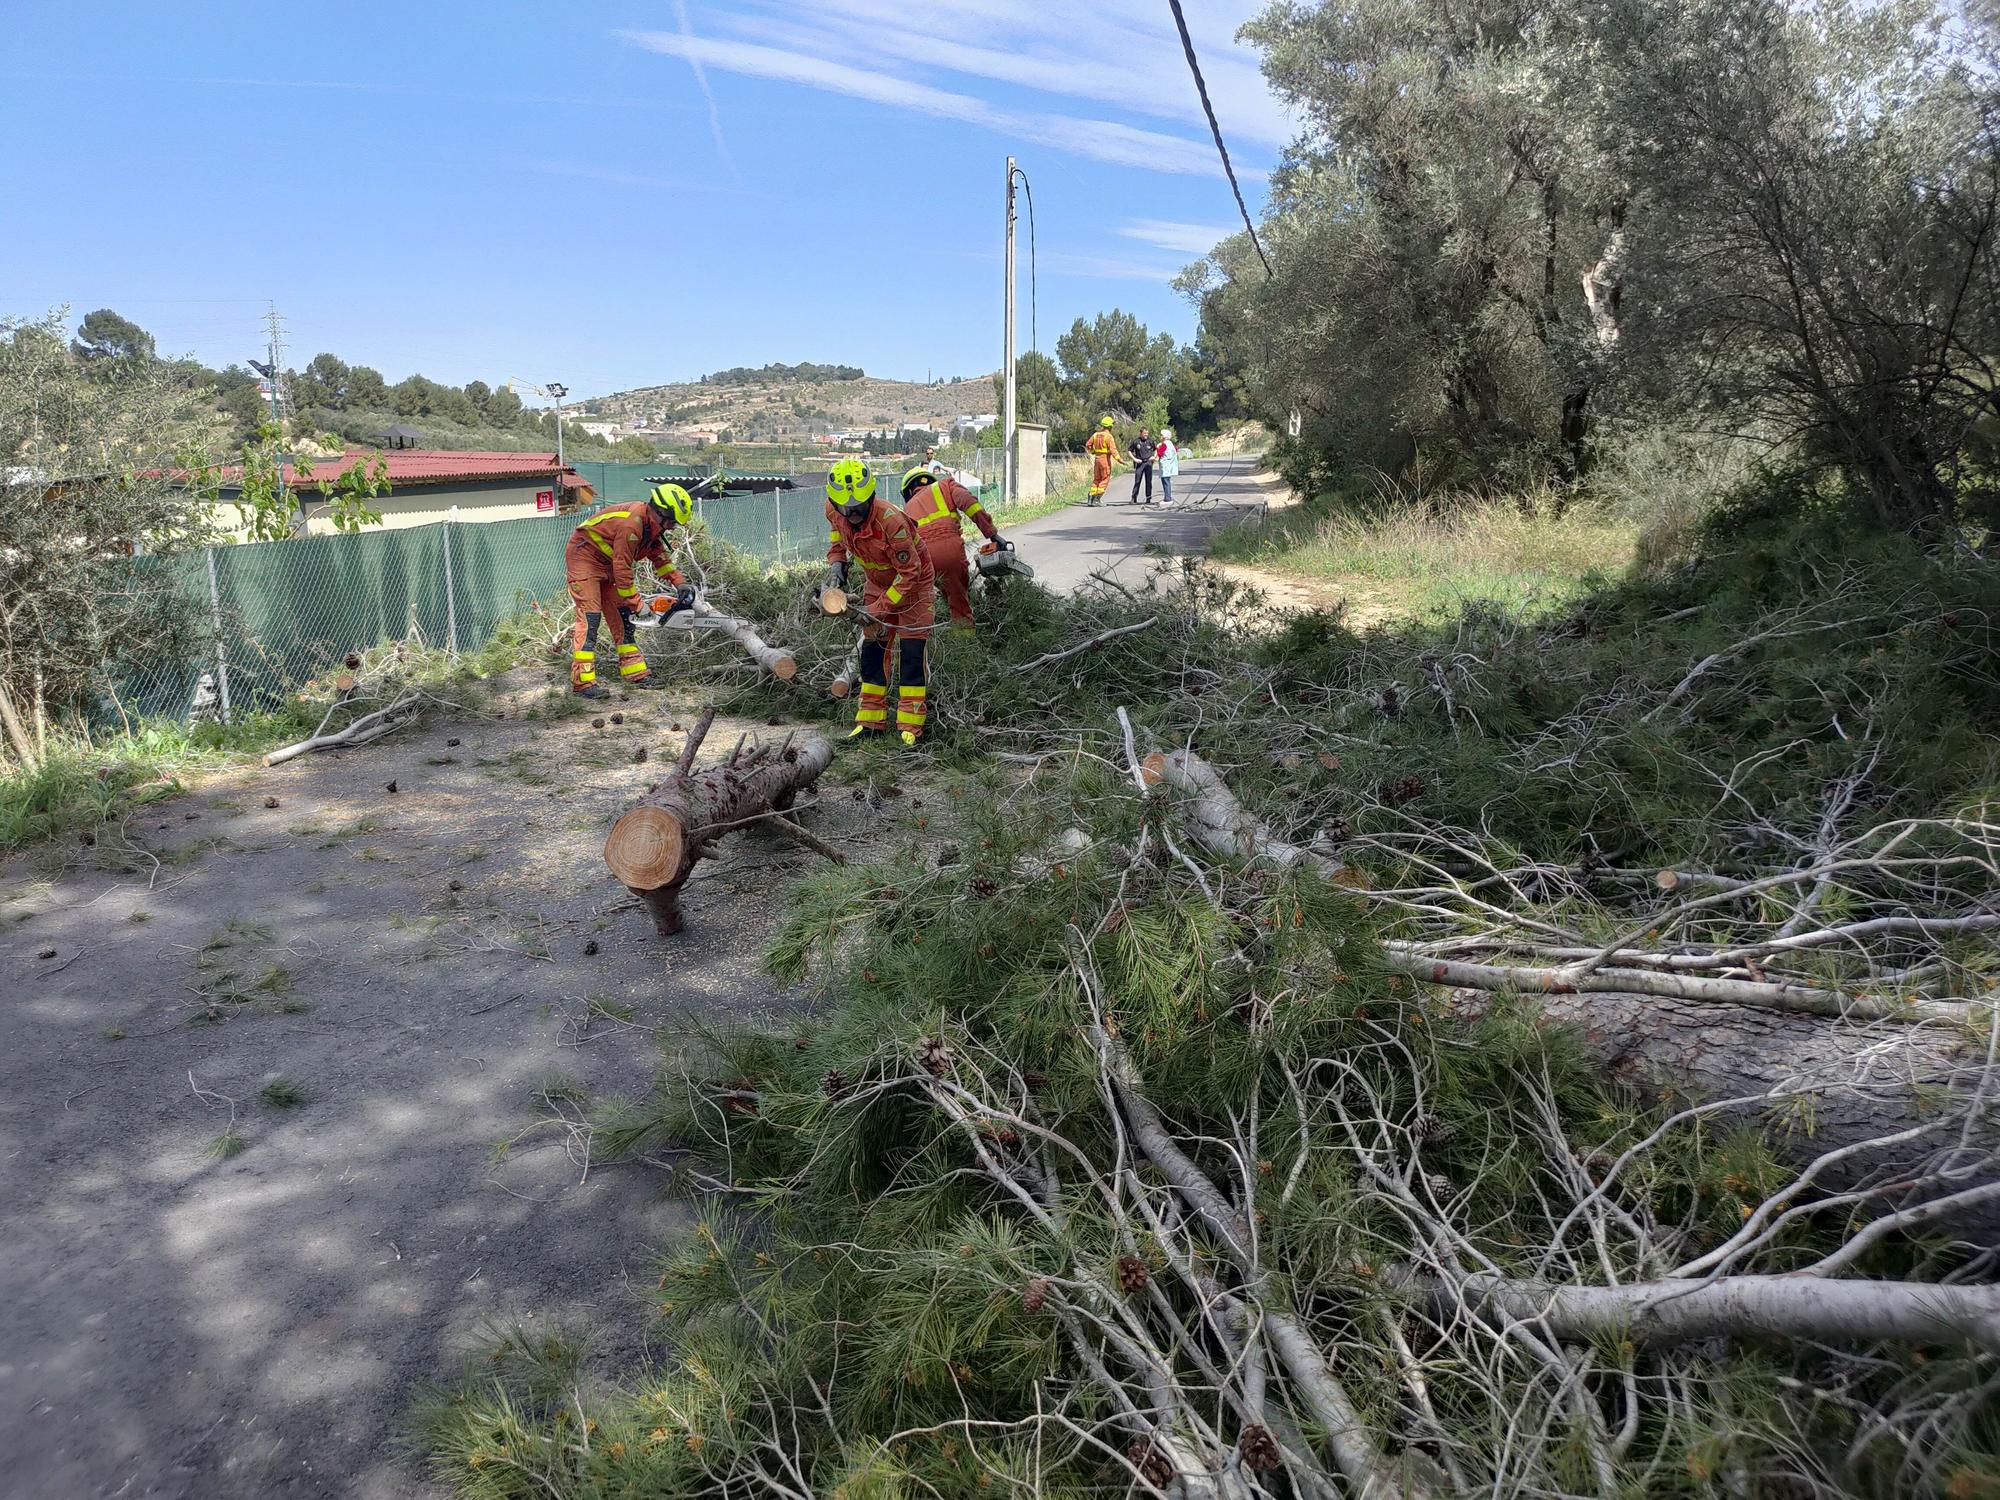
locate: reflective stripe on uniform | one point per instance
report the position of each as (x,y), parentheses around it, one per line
(894,595)
(583,656)
(915,692)
(588,528)
(628,593)
(635,667)
(905,717)
(871,715)
(832,537)
(627,649)
(943,509)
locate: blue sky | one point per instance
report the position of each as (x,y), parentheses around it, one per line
(613,194)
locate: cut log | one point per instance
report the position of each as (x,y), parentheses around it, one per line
(833,600)
(779,662)
(653,848)
(850,675)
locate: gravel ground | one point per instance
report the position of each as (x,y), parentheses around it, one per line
(178,1323)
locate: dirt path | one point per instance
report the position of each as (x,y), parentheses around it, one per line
(173,1323)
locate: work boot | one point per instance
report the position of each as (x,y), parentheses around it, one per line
(909,739)
(862,732)
(646,683)
(591,690)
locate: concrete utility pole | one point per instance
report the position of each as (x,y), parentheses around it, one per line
(1007,366)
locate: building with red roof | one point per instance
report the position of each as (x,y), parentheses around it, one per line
(428,485)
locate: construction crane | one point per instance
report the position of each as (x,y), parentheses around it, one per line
(550,392)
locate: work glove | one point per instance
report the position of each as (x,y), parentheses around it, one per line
(1002,543)
(836,577)
(684,596)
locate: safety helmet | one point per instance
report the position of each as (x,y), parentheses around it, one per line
(851,489)
(1105,423)
(916,476)
(673,501)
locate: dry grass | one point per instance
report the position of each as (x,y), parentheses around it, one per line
(1418,554)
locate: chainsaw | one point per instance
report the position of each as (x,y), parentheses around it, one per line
(997,559)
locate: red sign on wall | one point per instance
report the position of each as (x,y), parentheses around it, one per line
(545,502)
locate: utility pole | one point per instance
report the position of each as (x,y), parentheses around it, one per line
(1007,431)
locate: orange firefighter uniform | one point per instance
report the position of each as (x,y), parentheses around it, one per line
(934,510)
(899,596)
(1103,450)
(598,562)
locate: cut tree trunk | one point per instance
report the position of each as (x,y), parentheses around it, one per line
(653,848)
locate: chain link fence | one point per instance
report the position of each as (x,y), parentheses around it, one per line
(283,614)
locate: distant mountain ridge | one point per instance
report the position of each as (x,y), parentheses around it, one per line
(781,403)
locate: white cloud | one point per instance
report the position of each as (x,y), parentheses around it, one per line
(701,81)
(1104,140)
(1128,55)
(1167,234)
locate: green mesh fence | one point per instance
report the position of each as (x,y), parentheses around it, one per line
(285,613)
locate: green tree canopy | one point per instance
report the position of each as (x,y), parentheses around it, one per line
(104,335)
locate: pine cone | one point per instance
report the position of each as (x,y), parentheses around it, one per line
(1032,1081)
(1259,1448)
(1151,1460)
(982,887)
(1034,1294)
(1426,1127)
(1007,1136)
(833,1083)
(1440,1186)
(933,1056)
(1132,1274)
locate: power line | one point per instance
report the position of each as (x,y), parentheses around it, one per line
(1201,87)
(1034,290)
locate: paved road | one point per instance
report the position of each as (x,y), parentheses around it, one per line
(1067,547)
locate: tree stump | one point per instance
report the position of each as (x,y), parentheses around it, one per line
(654,847)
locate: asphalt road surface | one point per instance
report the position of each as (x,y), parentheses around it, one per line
(1125,539)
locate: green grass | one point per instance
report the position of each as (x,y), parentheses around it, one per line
(228,1145)
(1392,558)
(282,1093)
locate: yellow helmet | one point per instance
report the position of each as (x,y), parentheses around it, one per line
(851,487)
(915,475)
(674,500)
(1105,423)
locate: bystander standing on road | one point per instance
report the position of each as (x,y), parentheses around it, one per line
(1169,457)
(1141,449)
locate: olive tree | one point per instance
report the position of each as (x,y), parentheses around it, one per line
(1817,259)
(90,466)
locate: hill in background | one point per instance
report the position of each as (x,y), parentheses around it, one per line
(793,404)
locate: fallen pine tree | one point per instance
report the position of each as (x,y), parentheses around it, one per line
(1116,1165)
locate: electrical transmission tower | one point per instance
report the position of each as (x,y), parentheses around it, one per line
(275,331)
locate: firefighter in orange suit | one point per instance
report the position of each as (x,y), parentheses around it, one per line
(1103,450)
(934,502)
(599,562)
(898,594)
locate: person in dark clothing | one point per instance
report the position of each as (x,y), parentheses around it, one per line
(1142,449)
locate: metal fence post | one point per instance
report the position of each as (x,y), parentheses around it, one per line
(450,592)
(778,520)
(215,616)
